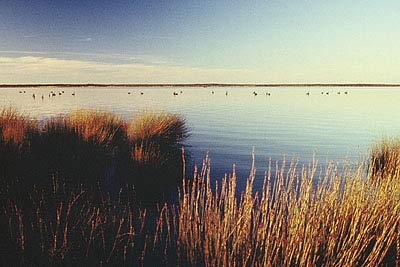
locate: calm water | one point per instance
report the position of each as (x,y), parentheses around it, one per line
(288,122)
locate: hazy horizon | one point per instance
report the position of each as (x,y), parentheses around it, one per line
(224,41)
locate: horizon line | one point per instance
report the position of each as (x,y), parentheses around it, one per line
(202,85)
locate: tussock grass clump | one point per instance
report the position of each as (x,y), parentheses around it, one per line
(104,128)
(93,146)
(165,126)
(344,220)
(156,150)
(72,226)
(300,217)
(60,149)
(153,135)
(385,159)
(107,134)
(14,126)
(15,129)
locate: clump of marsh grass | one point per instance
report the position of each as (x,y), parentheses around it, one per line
(344,220)
(151,125)
(93,146)
(72,227)
(15,129)
(154,134)
(385,159)
(14,126)
(103,128)
(61,149)
(156,150)
(300,217)
(107,132)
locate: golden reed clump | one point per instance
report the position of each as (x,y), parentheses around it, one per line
(297,219)
(150,125)
(385,159)
(300,217)
(102,141)
(14,126)
(155,136)
(101,127)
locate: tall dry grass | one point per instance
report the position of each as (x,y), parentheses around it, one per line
(92,146)
(67,227)
(343,220)
(14,126)
(15,129)
(105,128)
(157,153)
(385,157)
(155,136)
(302,216)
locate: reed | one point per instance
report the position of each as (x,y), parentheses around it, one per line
(155,135)
(15,129)
(104,128)
(165,126)
(302,215)
(156,152)
(343,220)
(385,159)
(71,227)
(90,146)
(14,126)
(60,148)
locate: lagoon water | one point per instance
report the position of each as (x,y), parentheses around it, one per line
(288,122)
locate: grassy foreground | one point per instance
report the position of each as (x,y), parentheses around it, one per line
(93,147)
(301,217)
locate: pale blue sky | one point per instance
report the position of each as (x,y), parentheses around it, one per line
(150,41)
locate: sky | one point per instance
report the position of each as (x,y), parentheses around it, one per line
(225,41)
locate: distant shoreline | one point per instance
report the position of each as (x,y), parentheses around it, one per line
(201,85)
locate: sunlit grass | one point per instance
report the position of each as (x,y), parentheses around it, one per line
(154,135)
(100,127)
(14,126)
(385,159)
(156,150)
(344,220)
(71,226)
(347,216)
(92,145)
